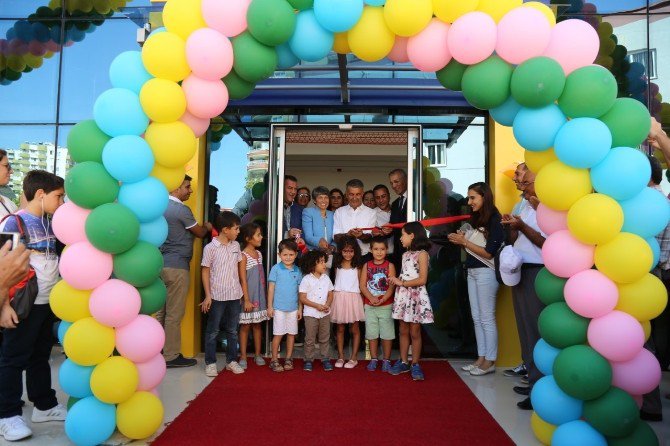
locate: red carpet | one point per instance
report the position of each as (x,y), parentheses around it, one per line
(261,407)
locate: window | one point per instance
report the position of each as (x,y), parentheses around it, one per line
(640,56)
(437,153)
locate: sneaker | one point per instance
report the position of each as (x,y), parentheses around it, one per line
(372,366)
(399,367)
(234,367)
(327,365)
(180,361)
(243,363)
(308,366)
(477,371)
(524,380)
(14,428)
(210,370)
(525,404)
(56,413)
(386,366)
(516,372)
(417,373)
(259,361)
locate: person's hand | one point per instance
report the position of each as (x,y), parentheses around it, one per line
(8,317)
(396,281)
(355,232)
(294,232)
(323,244)
(512,221)
(374,301)
(299,314)
(206,304)
(386,230)
(248,307)
(208,226)
(654,133)
(271,312)
(457,238)
(14,264)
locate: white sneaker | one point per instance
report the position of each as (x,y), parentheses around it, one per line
(210,370)
(14,428)
(56,413)
(234,367)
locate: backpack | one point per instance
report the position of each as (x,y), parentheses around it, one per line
(22,295)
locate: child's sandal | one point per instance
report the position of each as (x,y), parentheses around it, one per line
(288,364)
(275,366)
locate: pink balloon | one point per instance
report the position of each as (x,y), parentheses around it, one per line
(399,51)
(151,372)
(573,44)
(591,294)
(83,267)
(551,220)
(141,339)
(52,46)
(228,17)
(428,50)
(472,37)
(37,48)
(115,303)
(155,392)
(565,256)
(205,99)
(639,375)
(69,223)
(617,336)
(522,33)
(198,125)
(209,54)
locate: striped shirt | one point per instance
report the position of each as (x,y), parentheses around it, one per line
(224,276)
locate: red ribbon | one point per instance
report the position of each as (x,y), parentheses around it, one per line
(426,222)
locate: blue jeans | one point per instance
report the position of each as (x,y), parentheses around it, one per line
(482,289)
(227,312)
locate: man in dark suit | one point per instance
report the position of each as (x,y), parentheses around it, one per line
(398,180)
(292,210)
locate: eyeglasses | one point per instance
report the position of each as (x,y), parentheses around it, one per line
(303,195)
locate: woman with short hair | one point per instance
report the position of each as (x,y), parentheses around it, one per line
(317,222)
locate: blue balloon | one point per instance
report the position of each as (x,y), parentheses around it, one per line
(41,32)
(75,379)
(286,57)
(75,34)
(338,15)
(128,158)
(118,112)
(148,198)
(655,250)
(62,328)
(23,30)
(552,404)
(504,114)
(535,129)
(622,174)
(215,146)
(646,214)
(90,422)
(375,2)
(127,71)
(154,232)
(577,433)
(544,356)
(56,34)
(10,34)
(310,41)
(583,142)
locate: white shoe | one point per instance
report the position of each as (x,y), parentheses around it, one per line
(14,428)
(467,368)
(479,372)
(56,413)
(210,370)
(234,367)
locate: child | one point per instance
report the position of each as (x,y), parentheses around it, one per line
(283,303)
(26,345)
(378,294)
(221,280)
(411,305)
(252,279)
(316,295)
(347,302)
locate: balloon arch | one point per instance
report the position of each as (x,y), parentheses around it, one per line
(506,57)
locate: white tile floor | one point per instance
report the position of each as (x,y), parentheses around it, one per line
(183,385)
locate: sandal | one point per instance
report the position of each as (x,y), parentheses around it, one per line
(339,363)
(276,366)
(288,364)
(350,364)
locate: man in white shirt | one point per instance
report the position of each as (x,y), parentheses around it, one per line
(383,202)
(351,218)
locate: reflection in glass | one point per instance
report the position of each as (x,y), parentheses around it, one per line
(25,8)
(28,148)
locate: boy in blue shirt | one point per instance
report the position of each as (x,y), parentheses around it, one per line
(283,304)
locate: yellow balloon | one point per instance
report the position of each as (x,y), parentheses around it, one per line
(170,177)
(371,39)
(140,416)
(69,304)
(646,327)
(162,100)
(33,61)
(182,17)
(559,186)
(537,160)
(624,259)
(88,342)
(498,8)
(544,9)
(164,56)
(644,299)
(407,17)
(542,430)
(16,63)
(114,380)
(173,143)
(449,10)
(341,45)
(595,219)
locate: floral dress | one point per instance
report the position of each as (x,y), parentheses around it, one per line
(411,304)
(256,287)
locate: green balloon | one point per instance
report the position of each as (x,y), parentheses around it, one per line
(628,121)
(643,435)
(301,4)
(561,327)
(254,61)
(112,228)
(153,297)
(549,288)
(140,266)
(537,82)
(589,92)
(452,75)
(614,414)
(257,190)
(582,372)
(271,22)
(89,185)
(238,88)
(86,141)
(486,84)
(70,402)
